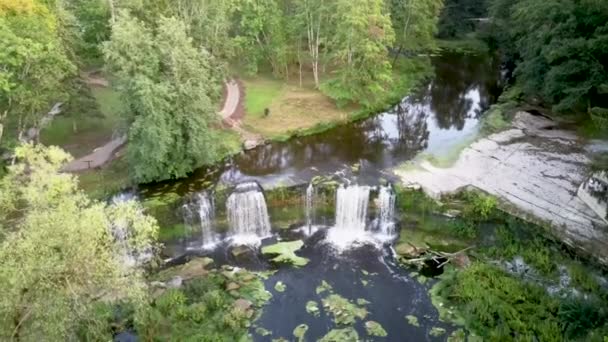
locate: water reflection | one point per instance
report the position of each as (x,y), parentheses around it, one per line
(442,114)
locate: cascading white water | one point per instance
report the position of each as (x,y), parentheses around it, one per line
(351,208)
(310,193)
(248,214)
(206,213)
(386,211)
(351,216)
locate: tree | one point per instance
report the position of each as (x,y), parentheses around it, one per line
(34,63)
(360,52)
(315,18)
(168,86)
(59,250)
(560,48)
(415,23)
(459,17)
(260,35)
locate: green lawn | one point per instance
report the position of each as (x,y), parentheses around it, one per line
(87,124)
(260,93)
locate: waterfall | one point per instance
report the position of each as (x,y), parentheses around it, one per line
(351,216)
(351,208)
(247,214)
(201,212)
(310,193)
(386,211)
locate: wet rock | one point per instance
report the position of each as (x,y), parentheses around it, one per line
(312,308)
(232,286)
(452,213)
(437,331)
(517,266)
(175,282)
(193,269)
(243,254)
(412,320)
(242,304)
(535,170)
(263,332)
(461,260)
(409,251)
(280,286)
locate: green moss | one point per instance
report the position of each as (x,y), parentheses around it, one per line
(312,308)
(285,252)
(324,287)
(344,312)
(300,331)
(437,331)
(340,335)
(280,286)
(412,320)
(173,232)
(374,328)
(263,332)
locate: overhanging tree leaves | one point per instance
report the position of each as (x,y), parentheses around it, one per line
(59,254)
(168,86)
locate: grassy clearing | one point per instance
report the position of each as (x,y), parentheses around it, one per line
(291,108)
(88,124)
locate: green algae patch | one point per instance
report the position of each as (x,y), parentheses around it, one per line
(300,331)
(362,301)
(412,320)
(374,328)
(280,286)
(324,287)
(312,308)
(262,332)
(436,331)
(344,311)
(285,252)
(340,335)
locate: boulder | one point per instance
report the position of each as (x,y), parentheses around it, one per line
(243,304)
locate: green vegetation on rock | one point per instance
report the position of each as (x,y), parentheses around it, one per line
(374,328)
(280,286)
(285,252)
(344,312)
(300,331)
(437,331)
(340,335)
(412,320)
(312,308)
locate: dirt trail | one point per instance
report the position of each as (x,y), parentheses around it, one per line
(98,157)
(232,113)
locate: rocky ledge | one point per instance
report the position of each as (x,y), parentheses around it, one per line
(535,169)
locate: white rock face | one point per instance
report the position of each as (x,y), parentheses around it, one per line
(535,168)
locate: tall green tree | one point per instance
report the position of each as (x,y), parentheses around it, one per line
(360,52)
(415,23)
(260,35)
(168,86)
(560,48)
(34,64)
(60,256)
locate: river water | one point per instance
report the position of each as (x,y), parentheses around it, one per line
(444,113)
(441,116)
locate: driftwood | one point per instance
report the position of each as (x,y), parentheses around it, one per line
(436,256)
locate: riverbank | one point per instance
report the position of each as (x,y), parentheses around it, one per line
(535,169)
(282,109)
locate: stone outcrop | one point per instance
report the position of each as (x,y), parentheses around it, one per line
(535,169)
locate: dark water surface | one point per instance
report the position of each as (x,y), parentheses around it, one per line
(441,115)
(365,272)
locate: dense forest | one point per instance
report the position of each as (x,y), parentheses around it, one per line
(169,60)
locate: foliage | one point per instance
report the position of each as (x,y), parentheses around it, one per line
(415,23)
(34,64)
(360,48)
(560,48)
(498,306)
(59,250)
(580,316)
(201,311)
(168,90)
(459,17)
(480,207)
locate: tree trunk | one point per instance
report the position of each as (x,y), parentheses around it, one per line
(112,11)
(397,55)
